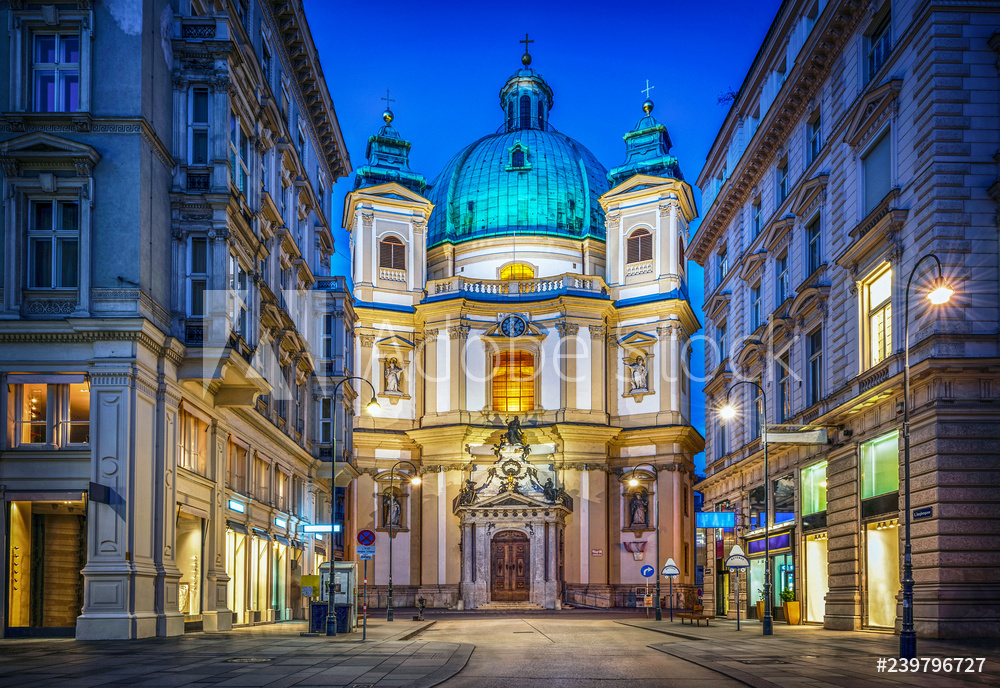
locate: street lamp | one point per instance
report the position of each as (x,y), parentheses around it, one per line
(939,294)
(727,412)
(633,482)
(373,408)
(415,480)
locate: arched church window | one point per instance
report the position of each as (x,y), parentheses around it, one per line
(517,158)
(391,254)
(640,246)
(513,381)
(525,113)
(517,271)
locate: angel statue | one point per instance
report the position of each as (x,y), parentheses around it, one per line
(392,375)
(637,380)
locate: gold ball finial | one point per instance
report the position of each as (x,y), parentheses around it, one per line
(647,106)
(387,115)
(526,59)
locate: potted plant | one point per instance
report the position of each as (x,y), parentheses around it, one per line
(760,604)
(790,606)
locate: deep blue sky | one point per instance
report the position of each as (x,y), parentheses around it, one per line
(444,63)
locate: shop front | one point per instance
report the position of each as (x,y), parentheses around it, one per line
(46,552)
(881,572)
(237,536)
(190,561)
(815,576)
(782,565)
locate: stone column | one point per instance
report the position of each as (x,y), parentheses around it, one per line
(598,372)
(568,367)
(458,335)
(169,621)
(120,576)
(843,601)
(216,615)
(430,370)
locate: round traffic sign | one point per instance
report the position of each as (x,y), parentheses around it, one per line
(647,571)
(366,537)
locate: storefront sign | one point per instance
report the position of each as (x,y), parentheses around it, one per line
(779,542)
(281,523)
(597,552)
(238,507)
(923,512)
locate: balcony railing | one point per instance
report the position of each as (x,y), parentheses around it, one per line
(391,275)
(585,285)
(643,267)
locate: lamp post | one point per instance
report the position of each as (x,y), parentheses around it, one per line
(373,408)
(941,293)
(633,482)
(415,480)
(728,412)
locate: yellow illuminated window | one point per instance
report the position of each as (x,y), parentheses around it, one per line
(513,381)
(517,271)
(879,298)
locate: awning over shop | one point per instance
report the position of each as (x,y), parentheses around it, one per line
(282,540)
(262,534)
(237,527)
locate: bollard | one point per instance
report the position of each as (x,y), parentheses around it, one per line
(421,603)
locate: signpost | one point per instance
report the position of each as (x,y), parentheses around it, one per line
(670,570)
(647,572)
(366,552)
(738,561)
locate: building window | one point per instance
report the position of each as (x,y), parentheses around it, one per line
(815,366)
(783,499)
(781,279)
(517,158)
(880,466)
(326,420)
(198,121)
(878,46)
(784,388)
(49,414)
(302,141)
(513,381)
(755,412)
(327,337)
(782,191)
(193,454)
(54,244)
(241,303)
(239,153)
(262,479)
(814,257)
(878,295)
(756,307)
(391,254)
(721,439)
(875,172)
(236,468)
(55,72)
(755,220)
(722,342)
(198,276)
(723,264)
(265,60)
(281,488)
(814,137)
(517,271)
(813,485)
(639,246)
(525,112)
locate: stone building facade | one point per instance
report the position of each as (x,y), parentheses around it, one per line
(863,137)
(167,169)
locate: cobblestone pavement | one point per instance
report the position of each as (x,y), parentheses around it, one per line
(812,657)
(275,656)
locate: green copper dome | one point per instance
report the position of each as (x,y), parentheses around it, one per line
(526,180)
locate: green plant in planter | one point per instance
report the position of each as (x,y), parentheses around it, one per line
(787,595)
(760,594)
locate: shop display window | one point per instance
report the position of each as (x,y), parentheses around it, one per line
(880,466)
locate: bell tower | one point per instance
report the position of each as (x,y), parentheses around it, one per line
(526,98)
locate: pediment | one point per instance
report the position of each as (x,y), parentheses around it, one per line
(637,182)
(395,342)
(806,298)
(869,110)
(394,191)
(717,303)
(808,192)
(749,355)
(509,500)
(39,146)
(751,262)
(636,340)
(777,231)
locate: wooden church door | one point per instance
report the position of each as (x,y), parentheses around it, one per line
(510,567)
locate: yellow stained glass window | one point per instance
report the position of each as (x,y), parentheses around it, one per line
(517,271)
(513,381)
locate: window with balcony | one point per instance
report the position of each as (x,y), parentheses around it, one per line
(639,246)
(815,381)
(55,72)
(197,276)
(814,246)
(877,294)
(326,420)
(517,271)
(54,244)
(513,381)
(876,172)
(48,415)
(198,127)
(878,45)
(756,307)
(392,253)
(326,340)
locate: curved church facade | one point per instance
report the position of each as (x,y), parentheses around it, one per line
(525,322)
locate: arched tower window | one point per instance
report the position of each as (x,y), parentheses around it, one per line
(391,254)
(513,381)
(640,246)
(517,271)
(525,114)
(517,158)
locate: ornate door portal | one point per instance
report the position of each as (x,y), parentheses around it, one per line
(510,567)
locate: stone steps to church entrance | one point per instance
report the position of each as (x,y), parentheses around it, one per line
(509,607)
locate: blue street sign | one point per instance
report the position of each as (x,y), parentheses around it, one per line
(923,512)
(647,571)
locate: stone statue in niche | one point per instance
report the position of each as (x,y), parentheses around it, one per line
(391,510)
(638,509)
(514,436)
(393,374)
(637,378)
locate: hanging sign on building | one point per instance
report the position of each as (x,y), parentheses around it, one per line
(795,434)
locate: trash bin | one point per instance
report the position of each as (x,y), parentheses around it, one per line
(317,617)
(630,599)
(343,612)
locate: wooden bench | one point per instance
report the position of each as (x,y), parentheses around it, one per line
(697,615)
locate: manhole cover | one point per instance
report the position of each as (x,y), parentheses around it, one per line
(761,661)
(249,660)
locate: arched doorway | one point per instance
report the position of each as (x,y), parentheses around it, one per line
(510,578)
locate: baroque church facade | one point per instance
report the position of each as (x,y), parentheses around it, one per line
(525,322)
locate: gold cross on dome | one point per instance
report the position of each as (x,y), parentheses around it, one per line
(647,89)
(526,41)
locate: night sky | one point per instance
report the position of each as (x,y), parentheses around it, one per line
(445,62)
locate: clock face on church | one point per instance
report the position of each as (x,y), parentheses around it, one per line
(513,326)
